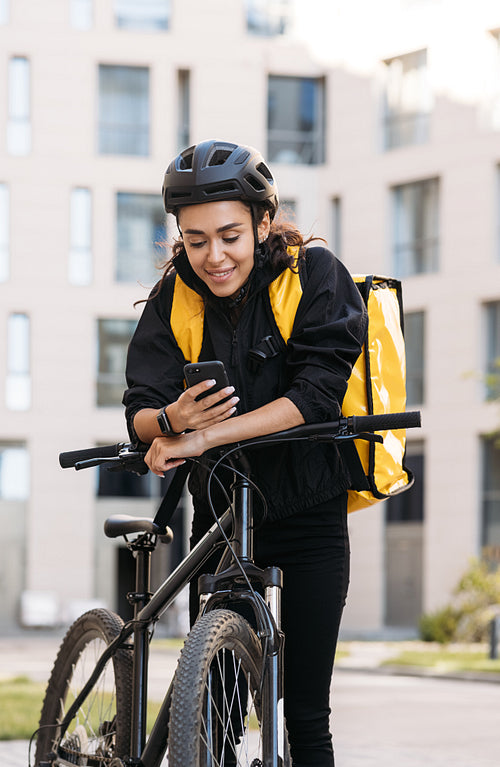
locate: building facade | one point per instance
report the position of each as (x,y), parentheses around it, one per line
(385,139)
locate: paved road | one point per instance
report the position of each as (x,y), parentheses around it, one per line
(379,720)
(396,721)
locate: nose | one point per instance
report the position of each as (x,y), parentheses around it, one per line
(215,251)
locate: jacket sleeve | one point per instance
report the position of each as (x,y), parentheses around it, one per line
(154,370)
(328,335)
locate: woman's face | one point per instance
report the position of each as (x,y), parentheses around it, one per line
(219,242)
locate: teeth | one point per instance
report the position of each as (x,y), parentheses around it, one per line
(220,274)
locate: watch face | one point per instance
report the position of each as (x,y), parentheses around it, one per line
(164,423)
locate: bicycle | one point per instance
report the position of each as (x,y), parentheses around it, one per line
(224,705)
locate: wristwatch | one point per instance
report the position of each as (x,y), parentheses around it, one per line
(164,423)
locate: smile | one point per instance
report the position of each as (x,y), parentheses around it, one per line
(220,275)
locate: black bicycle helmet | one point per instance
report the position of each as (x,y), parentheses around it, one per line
(219,170)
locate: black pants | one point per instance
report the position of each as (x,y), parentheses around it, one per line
(312,549)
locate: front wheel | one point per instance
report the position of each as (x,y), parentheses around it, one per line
(100,729)
(216,711)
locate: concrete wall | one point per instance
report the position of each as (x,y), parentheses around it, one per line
(345,43)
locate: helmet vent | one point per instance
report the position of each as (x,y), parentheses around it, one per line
(219,157)
(216,189)
(262,168)
(255,183)
(180,195)
(186,160)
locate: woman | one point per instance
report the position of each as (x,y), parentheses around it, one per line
(240,263)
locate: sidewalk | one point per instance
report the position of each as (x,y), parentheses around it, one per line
(33,654)
(369,657)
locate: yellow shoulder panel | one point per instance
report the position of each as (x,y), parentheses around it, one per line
(186,320)
(187,315)
(285,293)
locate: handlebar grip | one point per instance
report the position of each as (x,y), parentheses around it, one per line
(386,421)
(69,459)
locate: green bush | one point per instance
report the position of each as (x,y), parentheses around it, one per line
(467,618)
(439,626)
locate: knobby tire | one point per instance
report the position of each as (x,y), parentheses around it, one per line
(216,712)
(100,729)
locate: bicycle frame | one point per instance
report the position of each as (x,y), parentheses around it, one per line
(233,582)
(215,590)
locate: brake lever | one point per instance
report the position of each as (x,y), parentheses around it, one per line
(368,436)
(130,461)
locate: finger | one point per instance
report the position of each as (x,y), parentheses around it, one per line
(211,418)
(158,473)
(200,388)
(153,467)
(219,401)
(173,463)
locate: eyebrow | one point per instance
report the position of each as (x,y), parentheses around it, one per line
(220,229)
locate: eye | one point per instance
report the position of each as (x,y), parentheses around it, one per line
(231,239)
(197,244)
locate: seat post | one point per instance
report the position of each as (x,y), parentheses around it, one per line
(141,549)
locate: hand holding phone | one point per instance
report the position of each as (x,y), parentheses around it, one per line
(196,372)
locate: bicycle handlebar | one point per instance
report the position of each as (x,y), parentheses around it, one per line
(69,459)
(124,455)
(386,422)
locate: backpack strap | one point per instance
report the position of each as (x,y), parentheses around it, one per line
(172,497)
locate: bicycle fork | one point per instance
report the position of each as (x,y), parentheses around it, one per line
(229,585)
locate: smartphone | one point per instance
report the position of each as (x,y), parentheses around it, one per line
(194,372)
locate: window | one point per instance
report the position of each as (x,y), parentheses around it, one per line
(113,339)
(80,251)
(143,15)
(492,367)
(408,99)
(498,191)
(495,90)
(296,120)
(124,484)
(81,14)
(123,110)
(18,383)
(183,112)
(409,506)
(414,346)
(415,227)
(336,213)
(491,498)
(140,237)
(4,232)
(268,17)
(116,484)
(4,11)
(14,472)
(18,125)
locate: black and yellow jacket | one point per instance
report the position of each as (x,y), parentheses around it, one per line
(296,337)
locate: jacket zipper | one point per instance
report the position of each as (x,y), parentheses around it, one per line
(240,388)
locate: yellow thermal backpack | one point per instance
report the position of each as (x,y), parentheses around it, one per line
(377,384)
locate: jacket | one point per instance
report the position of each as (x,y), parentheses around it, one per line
(311,369)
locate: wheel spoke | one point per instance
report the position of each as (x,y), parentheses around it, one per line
(100,728)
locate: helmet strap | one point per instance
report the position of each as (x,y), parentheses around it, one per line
(259,247)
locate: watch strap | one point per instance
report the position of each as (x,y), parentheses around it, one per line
(164,423)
